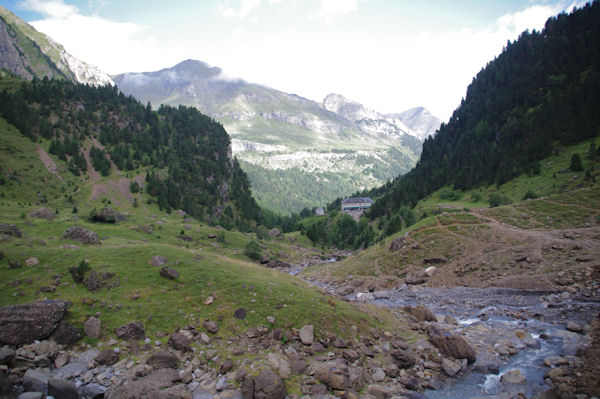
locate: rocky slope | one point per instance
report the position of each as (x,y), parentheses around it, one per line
(29,53)
(282,139)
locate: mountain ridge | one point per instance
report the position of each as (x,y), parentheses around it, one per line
(279,137)
(31,54)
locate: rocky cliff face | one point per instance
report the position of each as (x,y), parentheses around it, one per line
(29,53)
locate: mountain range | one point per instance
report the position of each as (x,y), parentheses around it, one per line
(297,152)
(30,54)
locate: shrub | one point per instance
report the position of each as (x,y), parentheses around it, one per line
(253,250)
(576,165)
(497,199)
(530,195)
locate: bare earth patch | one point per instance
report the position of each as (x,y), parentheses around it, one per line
(48,162)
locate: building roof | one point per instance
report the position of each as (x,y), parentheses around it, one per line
(357,200)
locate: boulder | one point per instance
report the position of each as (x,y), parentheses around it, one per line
(32,261)
(266,385)
(430,271)
(32,395)
(306,334)
(6,354)
(450,367)
(43,213)
(397,243)
(513,377)
(131,331)
(403,358)
(23,324)
(62,389)
(416,278)
(169,273)
(160,384)
(574,327)
(226,367)
(36,380)
(92,327)
(421,313)
(66,334)
(107,357)
(93,391)
(339,342)
(106,215)
(240,313)
(279,364)
(158,260)
(162,360)
(77,233)
(332,374)
(451,344)
(211,326)
(274,233)
(10,230)
(179,342)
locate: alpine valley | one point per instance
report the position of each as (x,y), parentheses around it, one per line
(297,153)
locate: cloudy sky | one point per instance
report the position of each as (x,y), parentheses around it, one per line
(390,55)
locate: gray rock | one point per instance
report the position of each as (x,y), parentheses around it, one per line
(332,374)
(93,391)
(92,327)
(107,357)
(513,377)
(574,327)
(169,273)
(10,230)
(43,213)
(451,344)
(62,389)
(450,367)
(306,334)
(162,360)
(158,260)
(23,324)
(36,380)
(421,313)
(77,233)
(131,331)
(6,354)
(211,326)
(157,385)
(179,342)
(403,358)
(31,395)
(66,334)
(266,385)
(279,364)
(378,374)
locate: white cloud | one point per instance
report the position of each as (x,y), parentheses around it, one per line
(52,9)
(332,8)
(246,7)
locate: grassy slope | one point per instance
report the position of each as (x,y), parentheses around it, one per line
(205,267)
(482,243)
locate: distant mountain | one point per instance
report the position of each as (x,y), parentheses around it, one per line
(417,122)
(296,152)
(30,54)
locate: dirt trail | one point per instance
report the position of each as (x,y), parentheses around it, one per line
(48,162)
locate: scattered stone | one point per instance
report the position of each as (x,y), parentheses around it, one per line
(266,385)
(159,384)
(107,357)
(378,374)
(32,261)
(93,391)
(162,360)
(158,260)
(435,260)
(279,364)
(421,313)
(62,360)
(211,326)
(209,300)
(63,389)
(430,271)
(450,367)
(92,327)
(240,313)
(22,324)
(416,278)
(43,213)
(271,320)
(14,264)
(306,334)
(36,380)
(169,273)
(513,377)
(179,341)
(66,334)
(274,233)
(332,374)
(131,331)
(403,358)
(226,366)
(10,230)
(574,327)
(77,233)
(397,243)
(451,344)
(205,339)
(92,281)
(339,342)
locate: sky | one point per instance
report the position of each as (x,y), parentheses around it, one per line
(390,55)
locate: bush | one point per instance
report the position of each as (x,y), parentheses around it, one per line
(253,250)
(476,196)
(134,187)
(78,272)
(530,195)
(496,200)
(449,194)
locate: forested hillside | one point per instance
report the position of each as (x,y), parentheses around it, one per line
(187,155)
(540,94)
